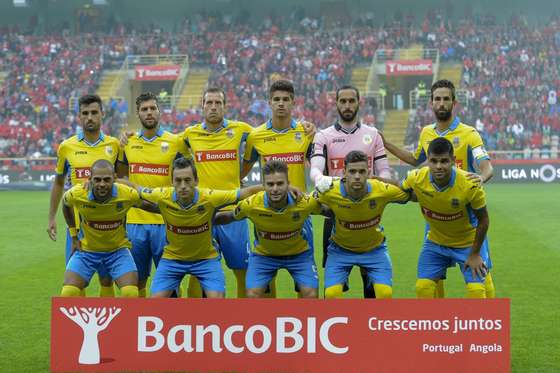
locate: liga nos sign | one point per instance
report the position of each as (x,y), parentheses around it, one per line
(288,335)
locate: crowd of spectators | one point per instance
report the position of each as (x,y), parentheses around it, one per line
(512,74)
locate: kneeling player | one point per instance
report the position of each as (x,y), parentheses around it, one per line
(357,238)
(102,205)
(188,212)
(455,209)
(279,242)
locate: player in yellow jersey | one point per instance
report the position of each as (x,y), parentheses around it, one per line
(278,220)
(454,206)
(467,143)
(75,156)
(146,159)
(188,212)
(357,238)
(102,206)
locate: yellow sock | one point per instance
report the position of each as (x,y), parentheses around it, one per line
(83,292)
(272,288)
(425,288)
(141,293)
(383,291)
(106,291)
(440,289)
(489,285)
(240,279)
(334,291)
(476,290)
(129,291)
(70,291)
(194,290)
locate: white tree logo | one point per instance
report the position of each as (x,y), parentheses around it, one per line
(92,320)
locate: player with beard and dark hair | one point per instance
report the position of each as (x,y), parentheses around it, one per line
(331,146)
(467,144)
(146,159)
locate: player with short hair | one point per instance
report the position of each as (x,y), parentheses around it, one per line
(357,239)
(278,220)
(146,159)
(188,212)
(102,206)
(332,144)
(467,143)
(454,206)
(75,156)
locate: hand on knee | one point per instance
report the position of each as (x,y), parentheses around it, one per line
(334,291)
(425,288)
(255,293)
(383,291)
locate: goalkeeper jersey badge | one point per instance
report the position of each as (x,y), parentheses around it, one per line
(298,137)
(120,206)
(164,147)
(109,150)
(455,202)
(296,216)
(456,141)
(372,204)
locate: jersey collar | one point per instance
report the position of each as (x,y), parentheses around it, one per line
(267,205)
(114,193)
(195,199)
(449,185)
(345,194)
(224,125)
(293,125)
(338,127)
(82,137)
(159,133)
(452,127)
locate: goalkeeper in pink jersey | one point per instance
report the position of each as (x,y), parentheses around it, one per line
(332,144)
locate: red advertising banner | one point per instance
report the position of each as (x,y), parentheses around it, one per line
(157,72)
(288,335)
(408,67)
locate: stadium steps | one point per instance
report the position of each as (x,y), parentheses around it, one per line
(394,130)
(414,52)
(105,86)
(452,72)
(191,96)
(359,78)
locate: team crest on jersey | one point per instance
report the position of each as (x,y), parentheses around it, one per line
(455,202)
(164,147)
(298,136)
(367,139)
(295,216)
(109,150)
(200,209)
(229,133)
(456,141)
(372,204)
(120,206)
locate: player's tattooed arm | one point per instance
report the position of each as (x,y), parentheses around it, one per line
(149,206)
(474,261)
(223,217)
(403,155)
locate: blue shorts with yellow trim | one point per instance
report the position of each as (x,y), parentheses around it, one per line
(170,273)
(233,242)
(86,263)
(301,267)
(435,259)
(102,271)
(376,262)
(148,241)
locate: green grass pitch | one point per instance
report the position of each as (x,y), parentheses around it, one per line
(524,240)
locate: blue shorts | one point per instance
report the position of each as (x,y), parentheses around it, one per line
(148,241)
(117,263)
(170,273)
(102,270)
(435,259)
(233,242)
(301,267)
(376,262)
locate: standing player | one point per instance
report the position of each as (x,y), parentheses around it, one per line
(74,159)
(454,206)
(188,212)
(467,144)
(278,220)
(146,159)
(102,208)
(331,146)
(357,238)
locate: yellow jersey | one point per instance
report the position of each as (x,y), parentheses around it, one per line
(291,145)
(448,210)
(103,224)
(277,232)
(150,163)
(357,223)
(467,144)
(189,228)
